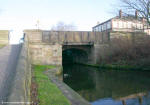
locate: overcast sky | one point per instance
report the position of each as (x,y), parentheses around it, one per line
(23,14)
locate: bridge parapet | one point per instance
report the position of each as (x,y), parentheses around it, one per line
(67,37)
(73,37)
(4,37)
(33,36)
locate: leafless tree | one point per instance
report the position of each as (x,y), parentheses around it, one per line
(61,26)
(142,6)
(125,50)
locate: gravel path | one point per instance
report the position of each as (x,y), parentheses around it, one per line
(8,61)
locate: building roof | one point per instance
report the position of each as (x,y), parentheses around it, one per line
(129,18)
(124,17)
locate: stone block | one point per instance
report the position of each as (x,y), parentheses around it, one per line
(4,36)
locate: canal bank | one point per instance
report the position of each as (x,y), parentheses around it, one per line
(85,85)
(50,90)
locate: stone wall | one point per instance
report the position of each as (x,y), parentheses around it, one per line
(33,36)
(66,37)
(103,52)
(46,46)
(20,90)
(116,34)
(40,52)
(45,54)
(70,37)
(4,37)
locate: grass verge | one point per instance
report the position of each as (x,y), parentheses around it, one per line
(2,45)
(47,92)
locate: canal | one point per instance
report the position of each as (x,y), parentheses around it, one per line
(108,87)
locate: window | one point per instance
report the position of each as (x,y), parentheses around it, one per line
(115,24)
(129,24)
(125,24)
(138,26)
(96,28)
(120,24)
(104,26)
(109,25)
(134,25)
(99,28)
(141,26)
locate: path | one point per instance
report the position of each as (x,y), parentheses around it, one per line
(8,61)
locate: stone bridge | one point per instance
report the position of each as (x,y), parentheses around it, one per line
(54,47)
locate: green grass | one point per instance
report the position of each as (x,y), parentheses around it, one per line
(2,45)
(48,92)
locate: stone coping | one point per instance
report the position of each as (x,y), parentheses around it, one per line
(72,96)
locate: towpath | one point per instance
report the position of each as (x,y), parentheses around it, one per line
(8,61)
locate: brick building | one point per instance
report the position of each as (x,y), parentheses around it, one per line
(127,23)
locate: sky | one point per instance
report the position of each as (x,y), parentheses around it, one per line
(17,15)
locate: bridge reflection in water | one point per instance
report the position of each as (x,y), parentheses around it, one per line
(109,87)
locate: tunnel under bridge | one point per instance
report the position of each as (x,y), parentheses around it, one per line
(77,54)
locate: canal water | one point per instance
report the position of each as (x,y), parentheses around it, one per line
(108,87)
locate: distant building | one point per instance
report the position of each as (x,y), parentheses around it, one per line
(127,23)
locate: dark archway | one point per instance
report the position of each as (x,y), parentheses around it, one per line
(72,55)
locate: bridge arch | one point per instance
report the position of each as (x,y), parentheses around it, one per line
(74,55)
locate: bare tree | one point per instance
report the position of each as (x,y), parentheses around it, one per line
(61,26)
(142,6)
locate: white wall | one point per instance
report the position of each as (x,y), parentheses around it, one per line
(127,24)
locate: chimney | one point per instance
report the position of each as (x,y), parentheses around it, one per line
(120,13)
(136,14)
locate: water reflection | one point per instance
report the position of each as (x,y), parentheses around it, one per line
(109,87)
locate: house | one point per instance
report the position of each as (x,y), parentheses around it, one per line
(127,23)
